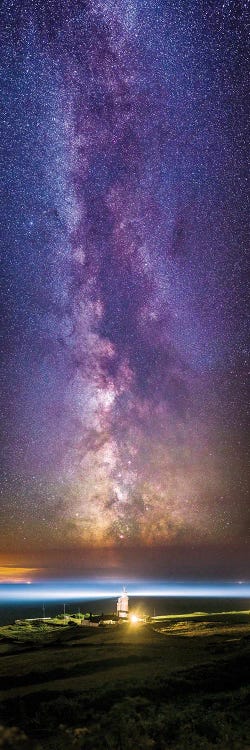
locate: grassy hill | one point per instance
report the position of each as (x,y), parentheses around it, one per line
(177,682)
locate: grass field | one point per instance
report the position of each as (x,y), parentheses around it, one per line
(177,682)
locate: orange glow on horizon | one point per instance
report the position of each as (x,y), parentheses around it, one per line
(16,574)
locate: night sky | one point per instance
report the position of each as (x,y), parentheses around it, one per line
(124,221)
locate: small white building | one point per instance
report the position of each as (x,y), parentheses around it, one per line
(122,605)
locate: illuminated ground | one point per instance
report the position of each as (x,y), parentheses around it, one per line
(63,675)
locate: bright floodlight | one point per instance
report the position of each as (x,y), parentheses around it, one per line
(134,618)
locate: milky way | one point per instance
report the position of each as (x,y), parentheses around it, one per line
(125,219)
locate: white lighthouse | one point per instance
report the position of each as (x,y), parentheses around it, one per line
(122,604)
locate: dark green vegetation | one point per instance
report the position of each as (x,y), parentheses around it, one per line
(176,683)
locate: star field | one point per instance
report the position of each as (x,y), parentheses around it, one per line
(125,227)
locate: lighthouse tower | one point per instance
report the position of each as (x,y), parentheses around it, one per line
(122,604)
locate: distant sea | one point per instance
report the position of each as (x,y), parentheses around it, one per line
(9,612)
